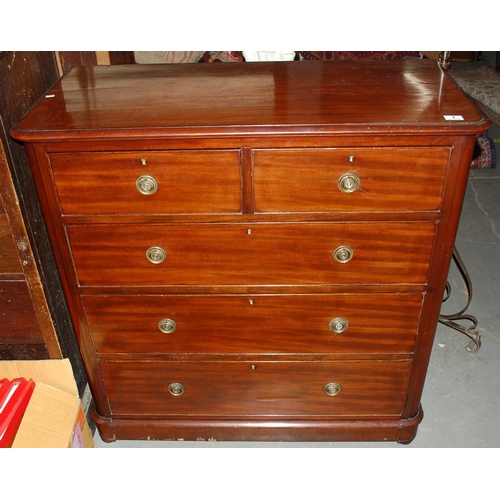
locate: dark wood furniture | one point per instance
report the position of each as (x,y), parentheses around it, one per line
(254,251)
(26,328)
(34,318)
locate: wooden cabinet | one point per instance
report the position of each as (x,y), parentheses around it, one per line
(27,331)
(254,251)
(34,318)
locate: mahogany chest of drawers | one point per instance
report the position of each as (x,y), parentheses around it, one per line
(254,251)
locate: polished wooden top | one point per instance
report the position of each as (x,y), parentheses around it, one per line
(193,100)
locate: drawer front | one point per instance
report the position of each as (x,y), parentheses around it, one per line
(390,179)
(113,183)
(347,323)
(235,254)
(256,388)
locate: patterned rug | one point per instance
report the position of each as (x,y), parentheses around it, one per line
(484,153)
(482,84)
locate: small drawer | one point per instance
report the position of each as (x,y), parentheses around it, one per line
(146,182)
(326,323)
(259,388)
(356,179)
(257,254)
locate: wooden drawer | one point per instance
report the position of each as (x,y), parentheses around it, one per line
(259,388)
(391,179)
(236,254)
(385,323)
(187,182)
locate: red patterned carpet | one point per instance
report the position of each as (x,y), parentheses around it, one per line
(325,55)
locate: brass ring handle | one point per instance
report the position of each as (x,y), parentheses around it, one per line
(146,184)
(348,183)
(167,325)
(156,255)
(176,389)
(338,325)
(332,389)
(343,254)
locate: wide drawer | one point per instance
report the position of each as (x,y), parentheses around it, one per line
(237,254)
(257,388)
(337,323)
(322,180)
(124,183)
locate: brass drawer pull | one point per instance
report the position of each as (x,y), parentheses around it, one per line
(156,255)
(339,325)
(167,325)
(332,389)
(176,389)
(343,254)
(146,185)
(349,182)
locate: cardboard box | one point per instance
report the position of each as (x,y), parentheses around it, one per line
(54,417)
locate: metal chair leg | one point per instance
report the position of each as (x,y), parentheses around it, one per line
(451,319)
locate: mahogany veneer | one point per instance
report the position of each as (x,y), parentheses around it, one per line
(228,277)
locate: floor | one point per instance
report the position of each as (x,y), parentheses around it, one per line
(461,399)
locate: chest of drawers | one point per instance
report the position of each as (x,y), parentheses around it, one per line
(254,251)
